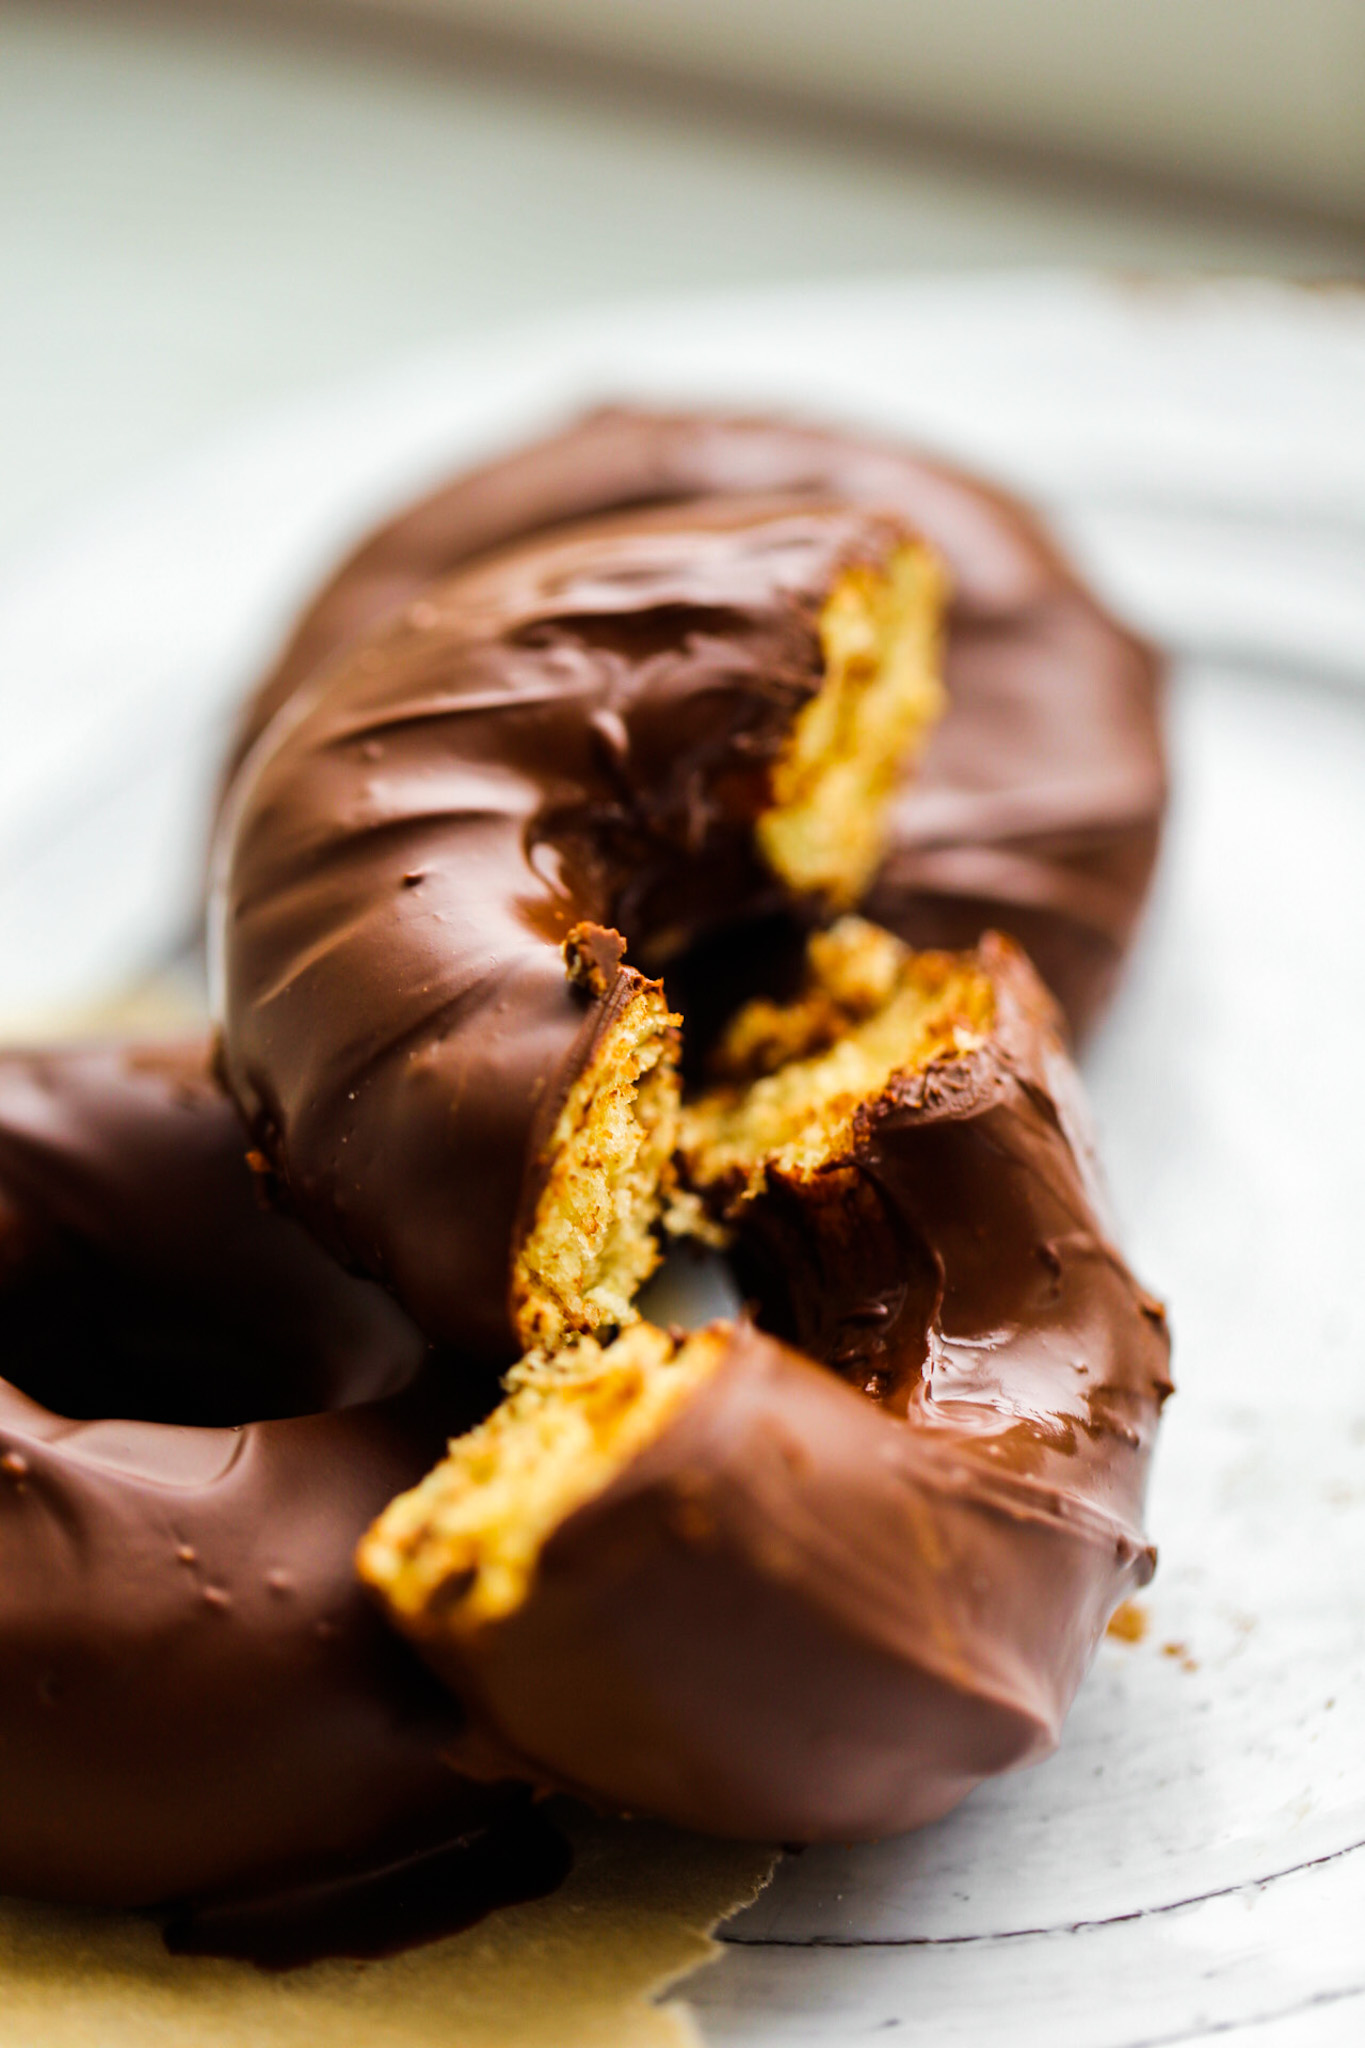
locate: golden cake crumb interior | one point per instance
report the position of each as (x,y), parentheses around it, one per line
(880,637)
(461,1548)
(794,1075)
(592,1242)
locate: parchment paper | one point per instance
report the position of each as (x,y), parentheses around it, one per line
(580,1969)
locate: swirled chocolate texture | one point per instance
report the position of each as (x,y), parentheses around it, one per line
(821,1594)
(631,732)
(193,1693)
(1038,807)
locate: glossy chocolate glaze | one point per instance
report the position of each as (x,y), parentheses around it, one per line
(576,733)
(193,1691)
(1038,807)
(827,1603)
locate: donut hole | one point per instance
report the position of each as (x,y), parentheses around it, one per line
(793,1078)
(462,1548)
(90,1337)
(880,635)
(593,1240)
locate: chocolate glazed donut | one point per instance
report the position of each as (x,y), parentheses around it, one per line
(193,1692)
(821,1594)
(1038,806)
(645,728)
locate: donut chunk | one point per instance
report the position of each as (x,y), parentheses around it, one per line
(821,1593)
(194,1693)
(642,728)
(1038,806)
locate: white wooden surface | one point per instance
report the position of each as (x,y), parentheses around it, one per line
(1192,1864)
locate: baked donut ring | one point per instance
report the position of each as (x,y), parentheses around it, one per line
(646,728)
(821,1596)
(1038,806)
(194,1693)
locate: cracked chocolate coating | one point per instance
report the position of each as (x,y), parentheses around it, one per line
(1038,807)
(574,734)
(194,1694)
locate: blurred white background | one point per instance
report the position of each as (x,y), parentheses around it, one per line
(1259,94)
(209,209)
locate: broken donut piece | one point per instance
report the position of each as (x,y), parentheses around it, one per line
(646,728)
(821,1594)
